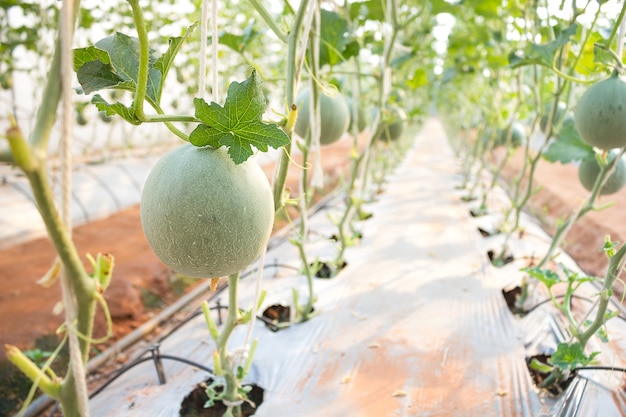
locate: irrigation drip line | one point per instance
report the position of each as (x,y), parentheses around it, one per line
(156,357)
(600,368)
(548,300)
(589,300)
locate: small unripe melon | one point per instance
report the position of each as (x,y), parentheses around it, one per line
(589,169)
(518,135)
(600,116)
(334,114)
(393,120)
(204,216)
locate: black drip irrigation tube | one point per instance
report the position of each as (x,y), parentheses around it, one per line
(589,300)
(41,403)
(156,357)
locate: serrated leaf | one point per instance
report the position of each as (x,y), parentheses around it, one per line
(545,276)
(333,39)
(127,113)
(204,135)
(568,357)
(568,146)
(89,54)
(238,124)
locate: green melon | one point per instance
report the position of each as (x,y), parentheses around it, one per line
(600,116)
(335,116)
(204,216)
(589,169)
(392,123)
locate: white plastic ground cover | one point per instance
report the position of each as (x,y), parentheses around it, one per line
(593,392)
(415,325)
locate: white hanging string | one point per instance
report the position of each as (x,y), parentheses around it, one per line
(255,304)
(203,39)
(305,38)
(620,38)
(214,44)
(67,111)
(317,179)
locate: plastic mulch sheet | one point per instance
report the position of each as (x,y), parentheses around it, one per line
(415,325)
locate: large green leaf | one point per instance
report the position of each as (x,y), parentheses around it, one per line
(113,62)
(568,146)
(542,54)
(333,39)
(367,10)
(238,124)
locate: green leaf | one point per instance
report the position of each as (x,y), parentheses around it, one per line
(609,247)
(487,8)
(97,75)
(115,64)
(239,43)
(588,62)
(238,124)
(542,54)
(367,10)
(546,276)
(127,113)
(89,54)
(567,357)
(419,79)
(569,146)
(351,49)
(333,39)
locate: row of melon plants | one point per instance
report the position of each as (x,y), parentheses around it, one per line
(207,209)
(561,97)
